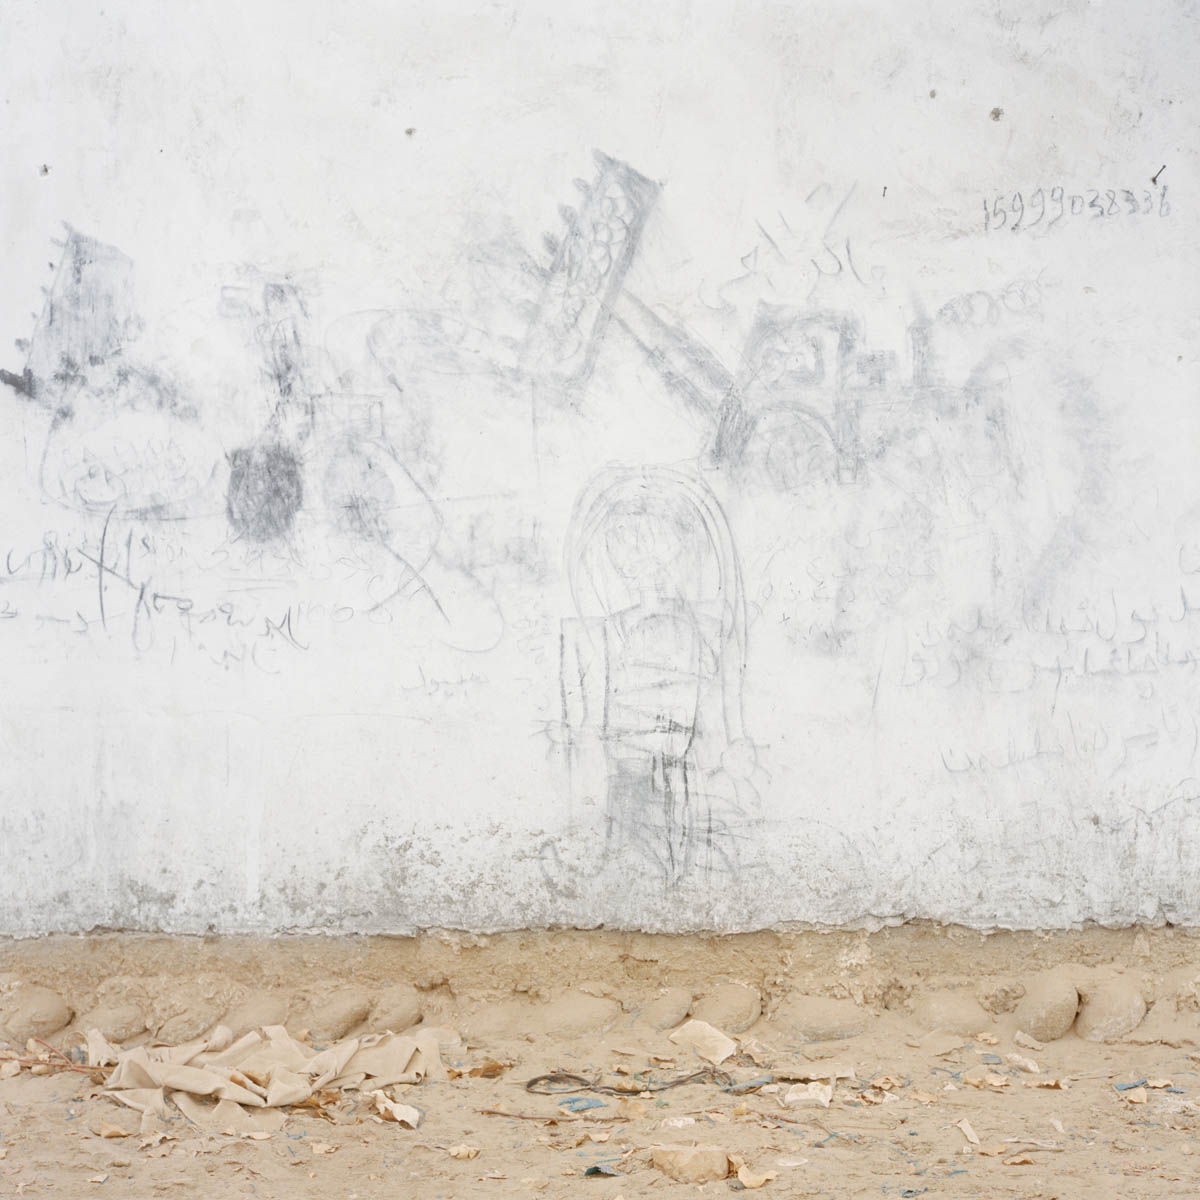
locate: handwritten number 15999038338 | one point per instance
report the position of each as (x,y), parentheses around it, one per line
(1014,212)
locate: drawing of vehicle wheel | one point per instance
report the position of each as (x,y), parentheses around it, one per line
(791,450)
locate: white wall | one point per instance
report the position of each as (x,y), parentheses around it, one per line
(789,543)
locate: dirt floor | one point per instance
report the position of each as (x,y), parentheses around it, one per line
(915,1061)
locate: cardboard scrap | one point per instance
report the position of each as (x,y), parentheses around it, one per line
(829,1072)
(967,1131)
(809,1093)
(706,1040)
(940,1042)
(99,1050)
(492,1069)
(265,1069)
(691,1164)
(759,1054)
(1023,1064)
(389,1110)
(988,1079)
(746,1177)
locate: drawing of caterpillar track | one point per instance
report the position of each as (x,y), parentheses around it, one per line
(588,271)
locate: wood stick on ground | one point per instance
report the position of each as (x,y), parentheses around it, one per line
(553,1120)
(55,1050)
(38,1062)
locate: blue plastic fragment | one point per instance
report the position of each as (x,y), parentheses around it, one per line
(992,1058)
(1124,1087)
(1176,1091)
(581,1103)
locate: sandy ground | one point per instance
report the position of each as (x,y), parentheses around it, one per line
(919,1108)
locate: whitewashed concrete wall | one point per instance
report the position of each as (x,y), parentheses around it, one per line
(677,465)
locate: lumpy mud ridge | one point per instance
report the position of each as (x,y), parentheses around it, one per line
(909,1061)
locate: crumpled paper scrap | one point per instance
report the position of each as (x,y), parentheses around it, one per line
(265,1069)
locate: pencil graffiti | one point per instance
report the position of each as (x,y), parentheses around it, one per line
(786,408)
(683,362)
(372,497)
(652,665)
(1128,202)
(836,459)
(121,438)
(588,270)
(282,338)
(803,376)
(792,413)
(265,491)
(87,318)
(147,470)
